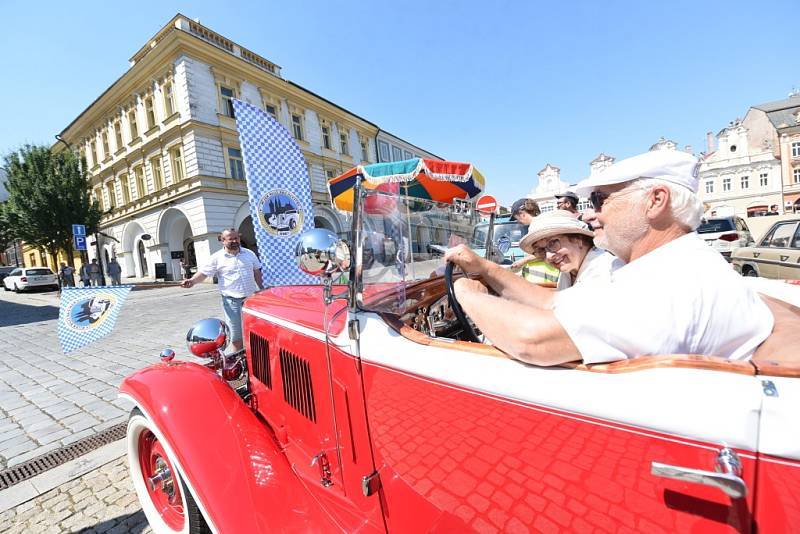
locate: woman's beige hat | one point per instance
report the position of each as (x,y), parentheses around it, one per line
(558,222)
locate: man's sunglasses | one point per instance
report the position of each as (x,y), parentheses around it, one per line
(597,199)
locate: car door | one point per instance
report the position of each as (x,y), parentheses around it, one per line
(12,278)
(476,442)
(789,268)
(775,249)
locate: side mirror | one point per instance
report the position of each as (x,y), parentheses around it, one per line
(321,253)
(207,337)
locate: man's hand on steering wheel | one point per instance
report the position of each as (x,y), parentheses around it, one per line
(465,285)
(465,257)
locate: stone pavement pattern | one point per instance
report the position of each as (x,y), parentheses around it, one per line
(49,399)
(100,501)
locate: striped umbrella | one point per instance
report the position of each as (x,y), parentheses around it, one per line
(441,181)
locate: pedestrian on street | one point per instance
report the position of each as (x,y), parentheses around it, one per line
(66,275)
(568,201)
(94,272)
(85,274)
(114,271)
(239,274)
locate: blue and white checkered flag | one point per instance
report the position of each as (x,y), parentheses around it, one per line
(88,313)
(279,191)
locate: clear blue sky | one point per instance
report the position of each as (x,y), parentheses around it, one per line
(508,86)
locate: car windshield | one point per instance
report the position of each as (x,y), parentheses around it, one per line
(712,226)
(504,229)
(404,242)
(33,272)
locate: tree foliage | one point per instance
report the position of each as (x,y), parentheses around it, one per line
(48,193)
(6,234)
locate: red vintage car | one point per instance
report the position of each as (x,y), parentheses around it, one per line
(362,407)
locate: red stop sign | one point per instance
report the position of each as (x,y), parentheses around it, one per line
(486,204)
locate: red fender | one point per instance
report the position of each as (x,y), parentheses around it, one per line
(226,455)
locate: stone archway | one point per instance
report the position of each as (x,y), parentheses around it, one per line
(133,257)
(174,231)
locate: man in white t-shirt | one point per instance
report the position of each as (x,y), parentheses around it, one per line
(675,295)
(239,275)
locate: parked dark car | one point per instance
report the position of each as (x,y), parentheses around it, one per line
(5,271)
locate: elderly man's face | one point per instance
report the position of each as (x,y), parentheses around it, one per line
(620,220)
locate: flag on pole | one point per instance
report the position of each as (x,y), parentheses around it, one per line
(279,192)
(88,313)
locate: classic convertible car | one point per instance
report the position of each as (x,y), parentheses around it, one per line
(363,408)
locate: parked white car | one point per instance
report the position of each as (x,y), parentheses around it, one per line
(21,279)
(725,234)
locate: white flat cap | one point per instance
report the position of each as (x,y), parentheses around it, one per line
(551,224)
(670,165)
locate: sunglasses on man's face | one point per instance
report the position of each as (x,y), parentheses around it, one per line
(598,198)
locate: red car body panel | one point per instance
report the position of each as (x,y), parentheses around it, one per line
(227,455)
(450,458)
(497,465)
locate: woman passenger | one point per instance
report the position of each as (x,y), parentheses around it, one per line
(567,243)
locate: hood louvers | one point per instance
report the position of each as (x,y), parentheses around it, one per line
(298,391)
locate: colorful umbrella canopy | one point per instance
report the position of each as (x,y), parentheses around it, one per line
(441,181)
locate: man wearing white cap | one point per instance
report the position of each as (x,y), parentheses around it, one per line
(646,210)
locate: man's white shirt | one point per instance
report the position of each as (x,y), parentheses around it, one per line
(234,272)
(681,298)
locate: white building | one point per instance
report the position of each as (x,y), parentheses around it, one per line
(740,174)
(163,152)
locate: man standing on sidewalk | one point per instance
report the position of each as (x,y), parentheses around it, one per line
(94,272)
(115,271)
(67,275)
(239,274)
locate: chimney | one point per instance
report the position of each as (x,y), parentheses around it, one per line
(688,149)
(709,142)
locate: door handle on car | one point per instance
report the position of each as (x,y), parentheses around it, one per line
(726,477)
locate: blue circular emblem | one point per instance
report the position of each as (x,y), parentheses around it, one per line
(279,213)
(89,313)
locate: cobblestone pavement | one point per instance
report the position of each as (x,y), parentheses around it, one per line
(100,501)
(49,399)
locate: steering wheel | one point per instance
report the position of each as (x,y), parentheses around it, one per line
(469,330)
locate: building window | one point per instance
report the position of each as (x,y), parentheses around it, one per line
(149,112)
(796,149)
(93,150)
(96,195)
(397,154)
(709,186)
(112,197)
(126,189)
(330,173)
(297,126)
(763,180)
(176,157)
(158,173)
(796,175)
(272,110)
(33,259)
(106,149)
(227,95)
(118,134)
(169,100)
(138,173)
(343,144)
(364,151)
(235,163)
(745,182)
(383,151)
(726,184)
(134,128)
(326,136)
(407,154)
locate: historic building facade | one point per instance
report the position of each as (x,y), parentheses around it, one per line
(551,184)
(162,148)
(740,172)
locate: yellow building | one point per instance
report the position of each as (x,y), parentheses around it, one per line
(36,257)
(162,148)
